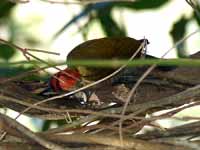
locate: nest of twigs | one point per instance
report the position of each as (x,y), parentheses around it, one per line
(115,126)
(96,124)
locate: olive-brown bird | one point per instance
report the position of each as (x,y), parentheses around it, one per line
(100,49)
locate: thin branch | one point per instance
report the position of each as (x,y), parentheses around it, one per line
(43,51)
(130,96)
(129,143)
(54,110)
(195,6)
(146,73)
(30,134)
(189,129)
(25,53)
(87,86)
(166,115)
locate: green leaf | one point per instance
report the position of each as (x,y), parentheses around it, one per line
(142,4)
(196,17)
(84,30)
(6,52)
(108,24)
(177,32)
(5,7)
(47,124)
(85,12)
(12,71)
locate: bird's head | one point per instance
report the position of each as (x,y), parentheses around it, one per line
(65,80)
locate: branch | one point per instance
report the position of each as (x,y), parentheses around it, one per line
(13,124)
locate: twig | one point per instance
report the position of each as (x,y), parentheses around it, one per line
(130,96)
(189,129)
(25,52)
(87,86)
(162,116)
(30,134)
(129,143)
(146,73)
(194,6)
(43,51)
(21,75)
(54,110)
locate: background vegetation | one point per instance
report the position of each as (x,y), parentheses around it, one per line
(91,15)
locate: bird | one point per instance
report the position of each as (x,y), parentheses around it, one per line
(110,48)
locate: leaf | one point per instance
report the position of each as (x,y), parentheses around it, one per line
(102,7)
(84,13)
(108,24)
(6,52)
(196,16)
(84,30)
(47,124)
(178,32)
(12,71)
(142,4)
(5,7)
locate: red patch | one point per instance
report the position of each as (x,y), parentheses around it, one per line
(64,80)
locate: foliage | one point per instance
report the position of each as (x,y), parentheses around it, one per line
(6,52)
(178,32)
(102,13)
(167,92)
(5,7)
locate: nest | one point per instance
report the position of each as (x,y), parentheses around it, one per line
(95,123)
